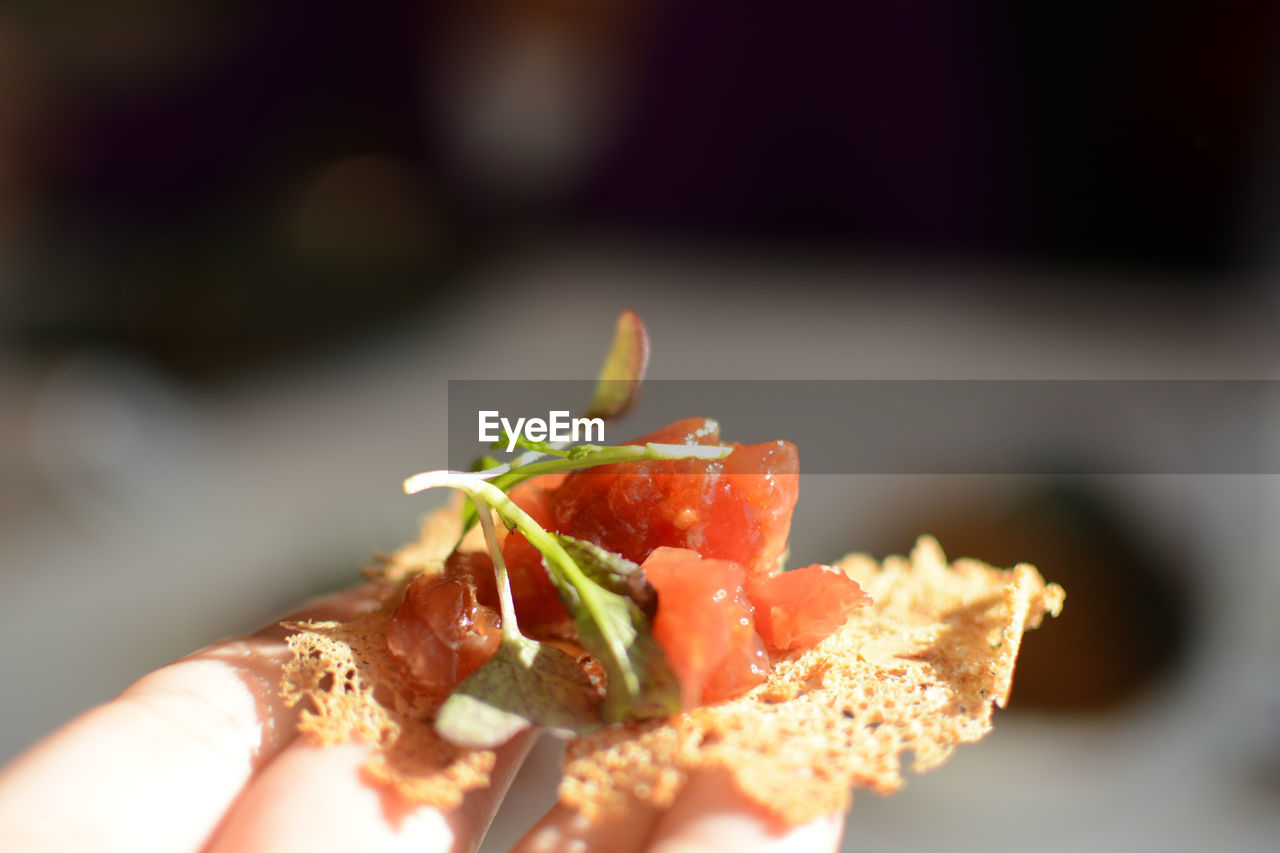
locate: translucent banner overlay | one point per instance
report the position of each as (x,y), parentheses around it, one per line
(1053,427)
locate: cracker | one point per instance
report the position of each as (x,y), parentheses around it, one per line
(917,672)
(356,691)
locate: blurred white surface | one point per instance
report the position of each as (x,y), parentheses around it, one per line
(140,521)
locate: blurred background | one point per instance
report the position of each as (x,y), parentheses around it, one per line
(243,247)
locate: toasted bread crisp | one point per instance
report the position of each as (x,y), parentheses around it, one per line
(919,670)
(357,691)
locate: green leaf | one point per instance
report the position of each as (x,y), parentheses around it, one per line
(615,631)
(623,369)
(616,390)
(612,571)
(483,463)
(526,683)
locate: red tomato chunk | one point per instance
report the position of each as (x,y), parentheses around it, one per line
(442,632)
(704,625)
(797,609)
(738,508)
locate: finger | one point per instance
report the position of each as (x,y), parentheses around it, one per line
(318,798)
(156,768)
(339,606)
(711,814)
(564,829)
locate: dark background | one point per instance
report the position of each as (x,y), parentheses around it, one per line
(221,185)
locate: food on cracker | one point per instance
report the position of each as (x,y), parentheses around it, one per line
(691,541)
(634,596)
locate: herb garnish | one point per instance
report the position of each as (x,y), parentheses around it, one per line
(617,388)
(528,683)
(611,626)
(525,682)
(619,381)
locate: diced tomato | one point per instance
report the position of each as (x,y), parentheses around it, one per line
(747,662)
(704,625)
(737,509)
(767,476)
(441,632)
(692,431)
(797,609)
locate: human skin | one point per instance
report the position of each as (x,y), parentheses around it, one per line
(202,755)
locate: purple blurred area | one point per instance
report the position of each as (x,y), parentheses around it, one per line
(245,245)
(291,172)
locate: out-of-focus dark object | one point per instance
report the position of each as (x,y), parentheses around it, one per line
(1032,131)
(527,96)
(213,185)
(1147,126)
(1128,623)
(220,185)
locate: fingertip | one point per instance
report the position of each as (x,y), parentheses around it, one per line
(712,814)
(566,830)
(341,606)
(319,798)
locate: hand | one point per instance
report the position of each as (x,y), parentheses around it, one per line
(203,756)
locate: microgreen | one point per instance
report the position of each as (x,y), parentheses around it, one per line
(655,692)
(612,571)
(506,477)
(616,390)
(508,691)
(525,683)
(539,448)
(484,463)
(619,381)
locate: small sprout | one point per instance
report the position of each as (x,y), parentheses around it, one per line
(618,384)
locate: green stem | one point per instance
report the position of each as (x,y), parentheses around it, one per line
(512,474)
(487,493)
(611,456)
(540,447)
(557,558)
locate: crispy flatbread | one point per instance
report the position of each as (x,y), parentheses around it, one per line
(918,671)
